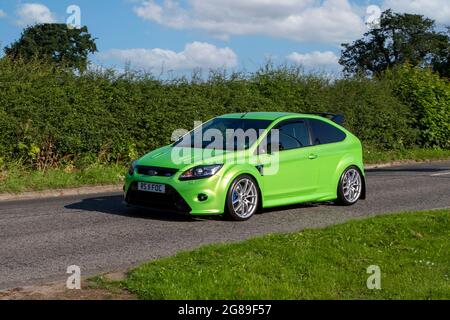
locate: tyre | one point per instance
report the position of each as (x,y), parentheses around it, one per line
(350,186)
(242,198)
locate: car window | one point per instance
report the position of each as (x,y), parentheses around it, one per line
(324,133)
(288,142)
(243,134)
(292,135)
(298,130)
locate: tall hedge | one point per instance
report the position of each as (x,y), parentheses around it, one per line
(48,116)
(428,99)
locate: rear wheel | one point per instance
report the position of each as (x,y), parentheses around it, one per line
(242,198)
(350,186)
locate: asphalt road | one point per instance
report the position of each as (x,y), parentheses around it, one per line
(39,239)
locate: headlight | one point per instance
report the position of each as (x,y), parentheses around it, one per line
(132,167)
(201,172)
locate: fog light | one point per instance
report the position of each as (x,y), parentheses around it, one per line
(202,197)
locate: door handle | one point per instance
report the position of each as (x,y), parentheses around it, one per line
(312,156)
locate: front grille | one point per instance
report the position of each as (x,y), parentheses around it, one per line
(171,200)
(156,171)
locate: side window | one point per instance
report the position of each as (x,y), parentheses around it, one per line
(297,130)
(288,142)
(293,135)
(324,133)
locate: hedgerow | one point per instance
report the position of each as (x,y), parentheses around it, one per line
(50,116)
(428,98)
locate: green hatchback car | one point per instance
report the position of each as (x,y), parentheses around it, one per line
(238,164)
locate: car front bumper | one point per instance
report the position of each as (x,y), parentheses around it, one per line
(180,196)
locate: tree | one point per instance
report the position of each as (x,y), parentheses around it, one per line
(399,39)
(56,43)
(442,62)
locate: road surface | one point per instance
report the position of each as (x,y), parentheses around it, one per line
(39,239)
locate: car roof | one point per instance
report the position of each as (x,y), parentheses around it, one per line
(260,115)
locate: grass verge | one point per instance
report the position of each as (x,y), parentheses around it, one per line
(373,156)
(16,179)
(411,249)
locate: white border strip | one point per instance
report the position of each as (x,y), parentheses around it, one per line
(441,174)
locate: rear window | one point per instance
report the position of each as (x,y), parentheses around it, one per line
(324,133)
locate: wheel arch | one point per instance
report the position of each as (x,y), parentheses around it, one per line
(363,177)
(343,165)
(234,173)
(363,191)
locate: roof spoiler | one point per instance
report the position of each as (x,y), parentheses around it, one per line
(337,118)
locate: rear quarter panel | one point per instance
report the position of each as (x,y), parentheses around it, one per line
(348,153)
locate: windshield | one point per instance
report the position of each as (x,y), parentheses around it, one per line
(225,134)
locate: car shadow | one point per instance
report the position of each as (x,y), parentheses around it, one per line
(298,206)
(113,205)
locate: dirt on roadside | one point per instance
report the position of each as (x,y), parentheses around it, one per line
(58,291)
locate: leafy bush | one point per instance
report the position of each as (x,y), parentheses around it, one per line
(373,113)
(49,116)
(428,98)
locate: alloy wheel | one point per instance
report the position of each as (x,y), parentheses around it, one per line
(352,185)
(244,198)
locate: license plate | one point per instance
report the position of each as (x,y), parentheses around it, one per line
(151,187)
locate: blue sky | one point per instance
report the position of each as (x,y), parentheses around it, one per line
(162,35)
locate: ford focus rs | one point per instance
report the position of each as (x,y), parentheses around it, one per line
(238,164)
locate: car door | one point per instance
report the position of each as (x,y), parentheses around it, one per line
(327,146)
(292,174)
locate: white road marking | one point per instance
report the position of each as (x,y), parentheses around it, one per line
(441,174)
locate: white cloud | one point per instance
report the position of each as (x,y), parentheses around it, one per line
(195,55)
(333,21)
(32,13)
(2,13)
(316,60)
(438,10)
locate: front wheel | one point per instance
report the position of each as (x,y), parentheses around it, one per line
(350,186)
(242,198)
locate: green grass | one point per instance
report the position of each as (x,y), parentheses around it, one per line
(373,156)
(16,179)
(412,250)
